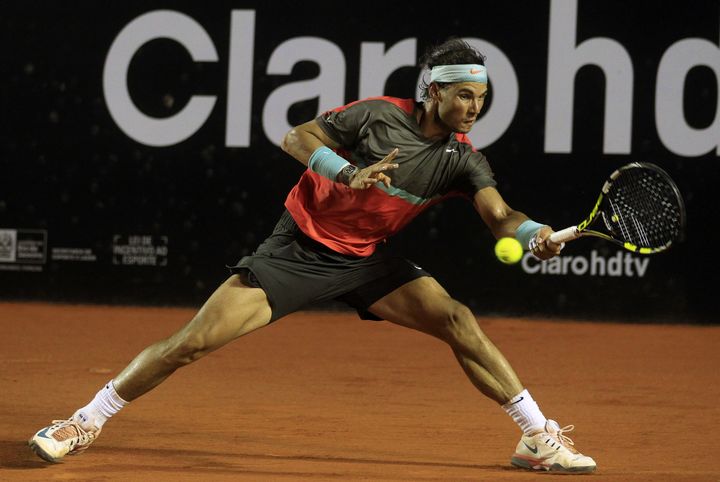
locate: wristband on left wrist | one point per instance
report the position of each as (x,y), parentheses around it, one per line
(326,162)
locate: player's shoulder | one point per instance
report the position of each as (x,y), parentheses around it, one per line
(393,103)
(381,104)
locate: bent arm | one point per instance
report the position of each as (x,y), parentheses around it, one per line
(304,139)
(302,142)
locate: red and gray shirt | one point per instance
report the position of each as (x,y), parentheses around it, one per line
(354,221)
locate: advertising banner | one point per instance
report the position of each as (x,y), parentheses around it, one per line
(140,142)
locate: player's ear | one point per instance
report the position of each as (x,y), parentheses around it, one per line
(434,91)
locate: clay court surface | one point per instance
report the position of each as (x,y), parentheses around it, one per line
(326,396)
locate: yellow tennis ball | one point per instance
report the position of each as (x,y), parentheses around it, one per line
(508,250)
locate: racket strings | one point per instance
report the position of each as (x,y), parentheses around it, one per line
(644,208)
(619,218)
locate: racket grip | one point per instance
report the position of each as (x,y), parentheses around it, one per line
(564,235)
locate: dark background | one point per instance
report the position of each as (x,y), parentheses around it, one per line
(68,169)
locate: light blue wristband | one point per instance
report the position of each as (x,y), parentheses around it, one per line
(527,231)
(326,162)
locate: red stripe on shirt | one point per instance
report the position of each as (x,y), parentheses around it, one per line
(349,221)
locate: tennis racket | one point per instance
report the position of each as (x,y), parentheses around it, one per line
(641,210)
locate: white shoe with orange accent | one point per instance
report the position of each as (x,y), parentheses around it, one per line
(63,437)
(552,451)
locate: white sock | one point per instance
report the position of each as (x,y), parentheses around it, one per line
(105,404)
(525,412)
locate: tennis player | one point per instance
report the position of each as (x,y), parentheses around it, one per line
(372,166)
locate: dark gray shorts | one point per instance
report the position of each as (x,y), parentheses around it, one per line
(296,271)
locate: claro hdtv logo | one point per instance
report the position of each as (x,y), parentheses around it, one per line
(378,61)
(621,264)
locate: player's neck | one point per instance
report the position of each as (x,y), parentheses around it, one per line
(430,124)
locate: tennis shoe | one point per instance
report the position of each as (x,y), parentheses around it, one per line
(63,437)
(551,450)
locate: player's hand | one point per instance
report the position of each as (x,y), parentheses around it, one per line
(543,247)
(365,178)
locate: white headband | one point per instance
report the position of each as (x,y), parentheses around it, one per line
(459,73)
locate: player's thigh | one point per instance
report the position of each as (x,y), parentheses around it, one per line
(424,305)
(233,310)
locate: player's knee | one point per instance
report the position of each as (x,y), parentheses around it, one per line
(458,323)
(184,349)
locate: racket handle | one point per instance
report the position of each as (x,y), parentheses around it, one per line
(564,235)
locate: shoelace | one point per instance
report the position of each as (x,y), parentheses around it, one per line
(557,436)
(562,438)
(83,437)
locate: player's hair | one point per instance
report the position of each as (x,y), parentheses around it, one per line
(453,51)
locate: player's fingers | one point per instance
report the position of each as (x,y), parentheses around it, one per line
(535,246)
(553,246)
(379,167)
(390,157)
(384,179)
(369,181)
(547,245)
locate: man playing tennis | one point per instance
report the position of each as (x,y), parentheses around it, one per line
(373,166)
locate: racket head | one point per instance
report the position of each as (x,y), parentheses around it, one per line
(642,209)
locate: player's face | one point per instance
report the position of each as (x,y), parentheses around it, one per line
(459,105)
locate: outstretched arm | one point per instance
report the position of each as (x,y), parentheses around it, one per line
(504,221)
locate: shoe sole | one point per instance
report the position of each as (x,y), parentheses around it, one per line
(42,453)
(557,468)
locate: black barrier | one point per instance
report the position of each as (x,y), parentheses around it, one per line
(139,141)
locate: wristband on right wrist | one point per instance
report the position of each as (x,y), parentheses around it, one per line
(526,232)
